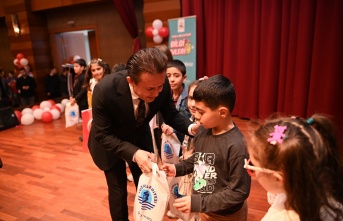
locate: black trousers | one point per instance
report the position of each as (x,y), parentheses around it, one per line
(117,189)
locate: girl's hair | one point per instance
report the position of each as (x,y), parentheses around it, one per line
(88,76)
(310,161)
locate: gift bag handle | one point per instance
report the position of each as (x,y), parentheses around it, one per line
(154,168)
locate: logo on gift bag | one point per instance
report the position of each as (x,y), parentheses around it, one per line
(73,114)
(168,150)
(175,191)
(147,197)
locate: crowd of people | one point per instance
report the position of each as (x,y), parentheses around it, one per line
(297,161)
(18,89)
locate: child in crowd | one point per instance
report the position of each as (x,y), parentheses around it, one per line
(79,93)
(220,184)
(185,184)
(96,70)
(301,163)
(176,73)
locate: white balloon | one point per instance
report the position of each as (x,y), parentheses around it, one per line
(27,119)
(157,24)
(55,114)
(155,32)
(15,61)
(45,104)
(157,39)
(76,57)
(64,101)
(46,109)
(24,62)
(61,106)
(37,114)
(26,111)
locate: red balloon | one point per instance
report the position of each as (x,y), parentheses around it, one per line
(19,56)
(163,32)
(52,102)
(55,107)
(18,114)
(46,117)
(148,31)
(34,107)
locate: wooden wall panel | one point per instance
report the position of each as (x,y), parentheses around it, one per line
(38,5)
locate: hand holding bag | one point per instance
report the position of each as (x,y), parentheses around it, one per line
(152,196)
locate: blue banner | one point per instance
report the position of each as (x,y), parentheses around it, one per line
(182,43)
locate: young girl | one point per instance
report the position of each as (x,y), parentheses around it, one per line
(95,71)
(300,161)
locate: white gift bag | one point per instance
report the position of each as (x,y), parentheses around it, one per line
(71,114)
(152,196)
(170,148)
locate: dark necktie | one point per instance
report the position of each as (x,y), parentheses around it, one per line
(140,113)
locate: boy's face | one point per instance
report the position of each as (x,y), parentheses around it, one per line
(208,118)
(175,78)
(78,69)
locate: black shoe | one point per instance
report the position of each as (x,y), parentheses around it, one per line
(0,163)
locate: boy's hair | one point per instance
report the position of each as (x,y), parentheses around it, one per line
(178,65)
(310,161)
(215,91)
(118,67)
(81,62)
(166,51)
(148,60)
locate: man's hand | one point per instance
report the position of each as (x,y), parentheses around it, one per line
(183,204)
(143,160)
(167,130)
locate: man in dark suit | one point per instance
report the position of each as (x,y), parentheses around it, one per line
(115,137)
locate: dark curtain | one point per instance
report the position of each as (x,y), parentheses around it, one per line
(126,11)
(282,56)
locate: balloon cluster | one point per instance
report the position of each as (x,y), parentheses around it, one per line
(46,112)
(157,32)
(20,61)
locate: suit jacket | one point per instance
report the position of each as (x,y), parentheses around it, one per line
(113,135)
(80,93)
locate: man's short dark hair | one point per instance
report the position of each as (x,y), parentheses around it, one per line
(150,60)
(215,91)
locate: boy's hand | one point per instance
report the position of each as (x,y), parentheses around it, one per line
(169,169)
(183,204)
